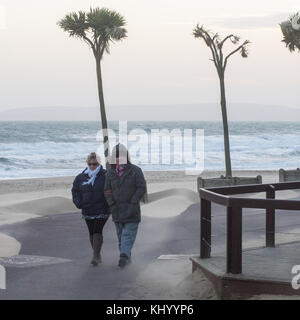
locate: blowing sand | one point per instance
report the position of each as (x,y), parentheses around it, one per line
(171,279)
(170,193)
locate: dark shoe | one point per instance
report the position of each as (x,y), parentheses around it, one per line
(123,260)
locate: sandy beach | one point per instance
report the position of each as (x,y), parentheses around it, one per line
(174,215)
(22,199)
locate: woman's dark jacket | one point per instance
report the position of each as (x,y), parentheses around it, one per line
(90,198)
(124,194)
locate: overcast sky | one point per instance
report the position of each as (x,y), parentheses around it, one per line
(159,63)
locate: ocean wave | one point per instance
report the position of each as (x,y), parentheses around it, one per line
(4,160)
(294,153)
(57,149)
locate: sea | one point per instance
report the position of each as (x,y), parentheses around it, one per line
(53,149)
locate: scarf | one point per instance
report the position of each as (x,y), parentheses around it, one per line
(120,170)
(92,174)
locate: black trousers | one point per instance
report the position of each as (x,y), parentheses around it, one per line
(95,225)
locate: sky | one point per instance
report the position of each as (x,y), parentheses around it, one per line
(159,63)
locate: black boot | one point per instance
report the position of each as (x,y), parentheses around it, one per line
(91,241)
(97,245)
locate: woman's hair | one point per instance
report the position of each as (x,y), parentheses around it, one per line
(93,157)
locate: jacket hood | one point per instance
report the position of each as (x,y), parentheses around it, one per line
(119,151)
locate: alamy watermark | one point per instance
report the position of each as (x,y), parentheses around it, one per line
(2,278)
(182,149)
(296,278)
(3,19)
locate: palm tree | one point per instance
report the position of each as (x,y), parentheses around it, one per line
(220,60)
(98,28)
(291,32)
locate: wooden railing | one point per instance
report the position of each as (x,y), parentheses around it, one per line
(223,196)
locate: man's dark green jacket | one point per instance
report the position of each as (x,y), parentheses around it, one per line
(123,194)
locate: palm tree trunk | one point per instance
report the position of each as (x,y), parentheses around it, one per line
(225,127)
(103,113)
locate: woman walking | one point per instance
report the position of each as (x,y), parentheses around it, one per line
(88,195)
(124,188)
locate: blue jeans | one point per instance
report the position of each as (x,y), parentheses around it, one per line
(126,233)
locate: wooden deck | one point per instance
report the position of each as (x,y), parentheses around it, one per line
(265,271)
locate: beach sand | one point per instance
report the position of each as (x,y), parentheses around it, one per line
(25,199)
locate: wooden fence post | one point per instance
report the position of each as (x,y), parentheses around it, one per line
(234,240)
(270,220)
(205,229)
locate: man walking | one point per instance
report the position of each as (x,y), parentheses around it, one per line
(125,186)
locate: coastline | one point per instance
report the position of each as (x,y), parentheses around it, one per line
(61,182)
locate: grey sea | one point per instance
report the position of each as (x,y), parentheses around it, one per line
(51,149)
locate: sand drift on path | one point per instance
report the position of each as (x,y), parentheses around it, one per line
(169,203)
(162,204)
(8,246)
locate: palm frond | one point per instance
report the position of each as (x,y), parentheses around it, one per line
(116,33)
(75,24)
(244,52)
(291,36)
(98,27)
(235,39)
(200,32)
(102,18)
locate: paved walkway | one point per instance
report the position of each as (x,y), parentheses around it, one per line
(65,236)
